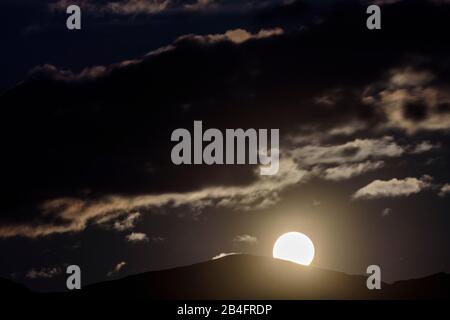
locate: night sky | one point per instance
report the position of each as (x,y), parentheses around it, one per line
(87,116)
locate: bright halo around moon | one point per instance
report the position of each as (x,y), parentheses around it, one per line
(295,247)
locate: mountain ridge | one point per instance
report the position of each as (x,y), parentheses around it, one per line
(242,277)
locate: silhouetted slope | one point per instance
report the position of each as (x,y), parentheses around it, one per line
(237,277)
(247,277)
(11,289)
(436,286)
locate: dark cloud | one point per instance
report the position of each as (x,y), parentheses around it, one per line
(415,111)
(93,146)
(152,7)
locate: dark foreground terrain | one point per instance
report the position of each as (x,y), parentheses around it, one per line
(247,277)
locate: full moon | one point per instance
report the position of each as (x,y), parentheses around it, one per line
(295,247)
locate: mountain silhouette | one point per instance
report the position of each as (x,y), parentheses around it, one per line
(13,290)
(251,277)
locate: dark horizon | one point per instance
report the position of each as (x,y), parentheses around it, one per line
(244,277)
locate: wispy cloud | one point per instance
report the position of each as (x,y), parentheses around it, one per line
(352,151)
(223,254)
(347,171)
(236,36)
(386,212)
(445,190)
(158,239)
(43,273)
(393,188)
(117,268)
(137,237)
(128,223)
(424,146)
(77,213)
(245,239)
